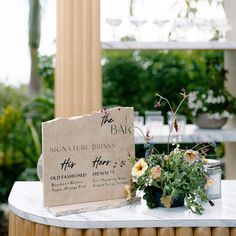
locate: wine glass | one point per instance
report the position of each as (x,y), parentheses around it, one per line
(161,23)
(138,17)
(222,26)
(182,26)
(202,27)
(137,22)
(114,23)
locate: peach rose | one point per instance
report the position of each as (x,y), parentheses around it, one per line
(156,172)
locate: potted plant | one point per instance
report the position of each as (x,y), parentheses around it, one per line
(166,179)
(210,108)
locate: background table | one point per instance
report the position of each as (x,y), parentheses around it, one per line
(191,134)
(29,217)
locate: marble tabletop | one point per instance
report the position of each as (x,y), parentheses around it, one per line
(26,201)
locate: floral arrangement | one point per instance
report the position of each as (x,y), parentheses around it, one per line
(166,178)
(216,105)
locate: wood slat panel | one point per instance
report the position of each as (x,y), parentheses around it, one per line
(129,232)
(86,23)
(232,231)
(29,228)
(202,231)
(19,226)
(67,53)
(220,231)
(111,232)
(184,231)
(56,231)
(78,83)
(166,232)
(73,232)
(12,224)
(148,232)
(93,232)
(78,50)
(96,56)
(41,229)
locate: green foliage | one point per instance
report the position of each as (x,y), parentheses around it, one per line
(123,78)
(175,173)
(15,139)
(177,176)
(16,97)
(20,128)
(133,78)
(40,109)
(207,70)
(46,71)
(16,149)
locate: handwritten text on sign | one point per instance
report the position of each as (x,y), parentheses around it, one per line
(86,158)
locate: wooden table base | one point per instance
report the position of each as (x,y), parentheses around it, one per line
(21,227)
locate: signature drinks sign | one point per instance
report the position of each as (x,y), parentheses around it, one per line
(86,157)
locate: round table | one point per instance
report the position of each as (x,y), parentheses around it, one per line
(28,217)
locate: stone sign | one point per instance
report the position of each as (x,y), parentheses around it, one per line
(86,157)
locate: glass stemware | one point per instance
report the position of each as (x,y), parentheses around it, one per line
(182,26)
(138,15)
(202,27)
(114,23)
(222,26)
(137,22)
(161,23)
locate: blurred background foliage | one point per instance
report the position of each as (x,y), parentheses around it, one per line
(133,78)
(129,79)
(20,127)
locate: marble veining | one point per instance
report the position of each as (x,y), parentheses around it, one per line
(26,201)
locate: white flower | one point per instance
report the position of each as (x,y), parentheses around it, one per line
(193,96)
(210,92)
(222,99)
(199,104)
(191,105)
(192,99)
(176,150)
(150,181)
(209,99)
(219,100)
(214,115)
(214,100)
(217,115)
(135,180)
